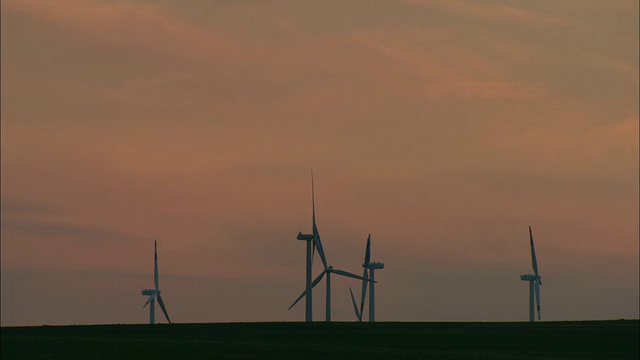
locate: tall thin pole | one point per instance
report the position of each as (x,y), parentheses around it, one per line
(532,312)
(372,309)
(152,310)
(328,316)
(308,298)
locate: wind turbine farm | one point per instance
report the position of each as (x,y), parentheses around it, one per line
(321,340)
(430,134)
(410,340)
(329,339)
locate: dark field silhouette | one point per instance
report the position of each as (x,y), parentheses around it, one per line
(386,340)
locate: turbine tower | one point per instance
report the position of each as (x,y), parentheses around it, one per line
(368,276)
(534,282)
(313,241)
(155,293)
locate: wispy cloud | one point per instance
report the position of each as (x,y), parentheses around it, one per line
(143,32)
(56,231)
(492,12)
(574,139)
(458,74)
(18,207)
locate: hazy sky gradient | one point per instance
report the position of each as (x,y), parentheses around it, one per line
(443,128)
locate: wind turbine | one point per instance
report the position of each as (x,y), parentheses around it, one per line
(155,293)
(313,238)
(313,243)
(368,276)
(328,271)
(534,281)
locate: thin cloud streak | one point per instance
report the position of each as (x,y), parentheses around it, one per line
(497,13)
(54,231)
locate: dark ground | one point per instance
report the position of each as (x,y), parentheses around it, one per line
(618,339)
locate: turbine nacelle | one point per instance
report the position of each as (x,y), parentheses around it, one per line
(150,291)
(305,237)
(530,277)
(374,265)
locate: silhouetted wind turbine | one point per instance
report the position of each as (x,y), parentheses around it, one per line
(155,293)
(313,240)
(534,281)
(368,276)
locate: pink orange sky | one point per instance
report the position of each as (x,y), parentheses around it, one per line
(443,128)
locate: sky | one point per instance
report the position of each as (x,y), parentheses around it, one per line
(443,128)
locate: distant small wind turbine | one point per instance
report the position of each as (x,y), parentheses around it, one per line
(534,281)
(367,277)
(155,293)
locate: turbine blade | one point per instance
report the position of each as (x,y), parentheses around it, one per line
(298,299)
(164,310)
(365,274)
(355,306)
(316,234)
(313,252)
(155,264)
(537,287)
(150,299)
(347,274)
(313,205)
(534,262)
(316,240)
(365,278)
(304,293)
(367,253)
(317,280)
